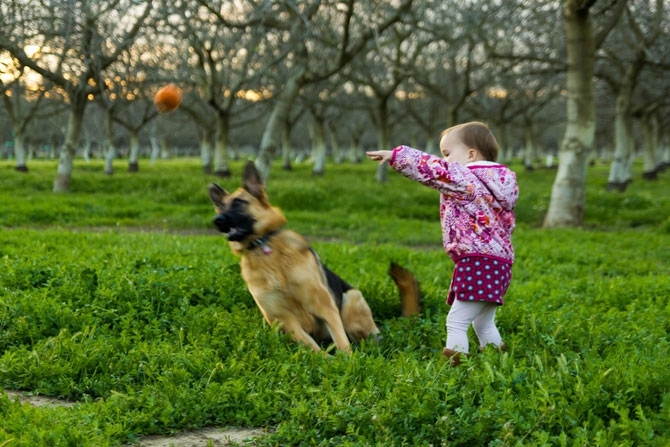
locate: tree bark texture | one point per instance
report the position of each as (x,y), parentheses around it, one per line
(20,151)
(566,207)
(651,146)
(318,146)
(273,129)
(622,163)
(67,154)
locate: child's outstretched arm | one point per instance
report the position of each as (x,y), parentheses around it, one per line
(381,156)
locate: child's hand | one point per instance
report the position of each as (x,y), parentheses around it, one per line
(380,156)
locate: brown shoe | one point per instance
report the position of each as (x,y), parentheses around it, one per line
(453,356)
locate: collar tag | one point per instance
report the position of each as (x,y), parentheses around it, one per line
(266,249)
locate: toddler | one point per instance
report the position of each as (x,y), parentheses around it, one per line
(477,198)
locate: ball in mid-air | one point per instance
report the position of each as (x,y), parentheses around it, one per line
(168,98)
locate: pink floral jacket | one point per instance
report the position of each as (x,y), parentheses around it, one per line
(476,204)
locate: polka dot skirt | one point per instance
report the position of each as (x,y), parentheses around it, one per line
(478,278)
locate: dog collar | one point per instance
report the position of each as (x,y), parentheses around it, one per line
(262,242)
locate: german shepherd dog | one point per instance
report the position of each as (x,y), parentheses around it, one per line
(286,278)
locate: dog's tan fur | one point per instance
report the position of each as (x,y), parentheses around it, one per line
(287,280)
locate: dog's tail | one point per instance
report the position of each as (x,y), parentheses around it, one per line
(410,294)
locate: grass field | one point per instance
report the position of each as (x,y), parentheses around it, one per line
(120,297)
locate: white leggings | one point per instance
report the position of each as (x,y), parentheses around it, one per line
(482,317)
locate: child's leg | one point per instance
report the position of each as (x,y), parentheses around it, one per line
(485,326)
(460,317)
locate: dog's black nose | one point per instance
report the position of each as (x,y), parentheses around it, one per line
(222,223)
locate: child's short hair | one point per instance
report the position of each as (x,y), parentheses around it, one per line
(476,135)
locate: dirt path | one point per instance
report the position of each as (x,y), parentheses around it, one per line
(204,437)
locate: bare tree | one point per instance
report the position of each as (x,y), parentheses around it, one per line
(25,102)
(311,41)
(224,40)
(24,93)
(81,39)
(625,57)
(566,207)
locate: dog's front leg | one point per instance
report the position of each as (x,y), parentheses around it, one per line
(326,310)
(298,333)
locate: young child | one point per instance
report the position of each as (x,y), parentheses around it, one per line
(477,215)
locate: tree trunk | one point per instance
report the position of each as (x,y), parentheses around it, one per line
(566,207)
(67,154)
(382,172)
(155,150)
(87,150)
(221,167)
(338,154)
(277,121)
(318,147)
(356,150)
(165,148)
(529,148)
(20,150)
(206,151)
(134,157)
(110,150)
(651,144)
(665,156)
(620,169)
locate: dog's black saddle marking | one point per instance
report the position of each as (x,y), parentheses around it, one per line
(338,287)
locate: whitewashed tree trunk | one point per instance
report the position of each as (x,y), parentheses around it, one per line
(318,146)
(20,150)
(67,154)
(529,148)
(273,130)
(549,161)
(134,157)
(87,150)
(110,155)
(566,207)
(110,150)
(651,145)
(206,151)
(665,156)
(155,149)
(165,148)
(621,168)
(338,154)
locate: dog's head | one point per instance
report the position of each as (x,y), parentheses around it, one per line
(246,214)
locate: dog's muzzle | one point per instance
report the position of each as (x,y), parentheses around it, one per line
(222,223)
(235,226)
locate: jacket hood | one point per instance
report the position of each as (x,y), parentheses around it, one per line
(499,180)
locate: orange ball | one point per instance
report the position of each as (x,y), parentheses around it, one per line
(168,98)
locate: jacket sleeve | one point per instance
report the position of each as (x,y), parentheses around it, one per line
(451,179)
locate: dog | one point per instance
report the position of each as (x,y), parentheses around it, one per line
(286,278)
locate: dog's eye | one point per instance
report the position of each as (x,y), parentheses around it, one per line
(238,204)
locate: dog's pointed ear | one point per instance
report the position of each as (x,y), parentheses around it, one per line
(252,181)
(216,193)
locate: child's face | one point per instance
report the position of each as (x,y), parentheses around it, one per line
(455,151)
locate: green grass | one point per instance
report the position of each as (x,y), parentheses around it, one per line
(145,323)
